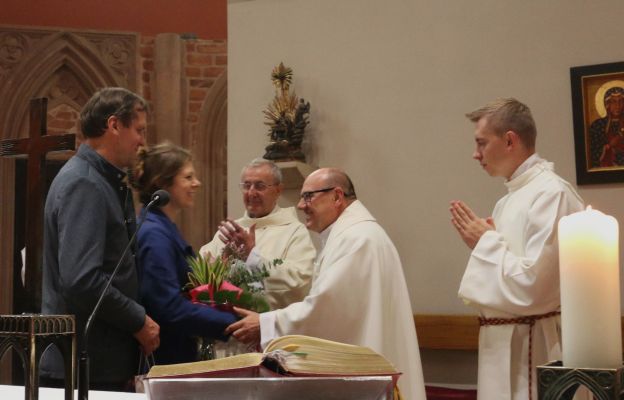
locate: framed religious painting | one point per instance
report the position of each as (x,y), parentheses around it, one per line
(598,112)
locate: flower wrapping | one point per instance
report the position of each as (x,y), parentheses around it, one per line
(237,285)
(209,289)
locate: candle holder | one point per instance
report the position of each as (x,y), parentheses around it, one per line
(30,335)
(555,382)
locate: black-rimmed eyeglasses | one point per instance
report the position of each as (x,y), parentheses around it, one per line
(307,196)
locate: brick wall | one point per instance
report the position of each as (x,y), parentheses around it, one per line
(204,61)
(62,119)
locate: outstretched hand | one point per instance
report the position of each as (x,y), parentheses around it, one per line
(469,226)
(246,330)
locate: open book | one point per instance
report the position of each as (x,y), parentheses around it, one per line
(292,355)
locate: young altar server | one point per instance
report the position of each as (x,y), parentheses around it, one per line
(512,276)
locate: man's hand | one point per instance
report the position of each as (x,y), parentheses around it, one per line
(235,236)
(469,226)
(148,336)
(247,330)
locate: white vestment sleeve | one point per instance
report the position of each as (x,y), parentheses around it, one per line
(503,276)
(343,298)
(267,328)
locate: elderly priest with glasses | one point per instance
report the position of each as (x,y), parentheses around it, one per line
(358,295)
(267,232)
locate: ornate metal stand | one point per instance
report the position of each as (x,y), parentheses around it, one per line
(556,382)
(30,335)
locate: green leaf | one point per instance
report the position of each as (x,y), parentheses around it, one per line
(203,296)
(225,296)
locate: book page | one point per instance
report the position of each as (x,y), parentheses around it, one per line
(239,361)
(309,355)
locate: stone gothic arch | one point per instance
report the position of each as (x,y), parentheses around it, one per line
(210,151)
(89,62)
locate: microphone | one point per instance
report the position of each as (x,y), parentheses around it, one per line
(158,199)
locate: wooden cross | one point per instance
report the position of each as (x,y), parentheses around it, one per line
(35,148)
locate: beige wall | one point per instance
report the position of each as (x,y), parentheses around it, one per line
(389,82)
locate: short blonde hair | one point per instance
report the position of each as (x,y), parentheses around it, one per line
(508,114)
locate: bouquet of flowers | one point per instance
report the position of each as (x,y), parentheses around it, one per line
(225,282)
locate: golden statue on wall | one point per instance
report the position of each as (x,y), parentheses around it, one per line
(287,118)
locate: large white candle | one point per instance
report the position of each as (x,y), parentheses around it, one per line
(590,290)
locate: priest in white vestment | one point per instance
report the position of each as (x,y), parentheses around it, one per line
(267,232)
(358,296)
(512,276)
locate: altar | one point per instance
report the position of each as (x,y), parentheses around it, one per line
(17,392)
(328,388)
(282,388)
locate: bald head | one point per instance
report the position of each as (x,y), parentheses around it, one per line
(325,194)
(336,177)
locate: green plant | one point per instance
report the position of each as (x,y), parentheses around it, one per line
(204,272)
(213,273)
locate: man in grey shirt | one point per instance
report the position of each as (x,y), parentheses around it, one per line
(88,221)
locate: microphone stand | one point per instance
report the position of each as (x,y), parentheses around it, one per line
(160,198)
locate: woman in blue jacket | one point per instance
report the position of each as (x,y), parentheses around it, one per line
(162,256)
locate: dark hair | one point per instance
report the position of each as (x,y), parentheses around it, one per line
(105,103)
(508,114)
(157,167)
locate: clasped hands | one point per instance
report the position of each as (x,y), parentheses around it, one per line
(469,226)
(247,329)
(236,238)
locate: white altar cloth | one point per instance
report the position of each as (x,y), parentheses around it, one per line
(8,392)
